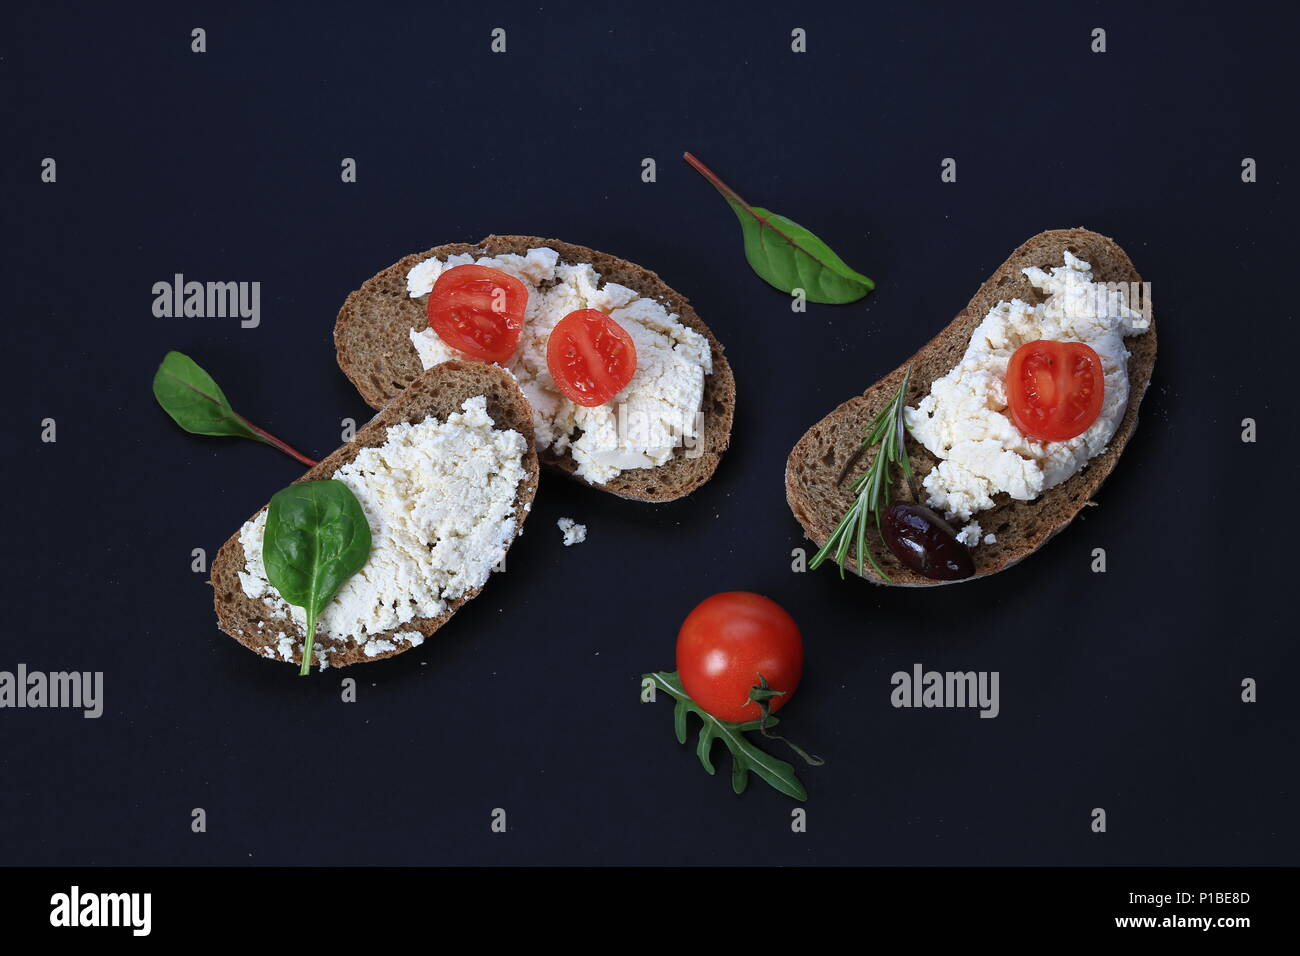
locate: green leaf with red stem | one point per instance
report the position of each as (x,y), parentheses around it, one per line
(785,254)
(195,402)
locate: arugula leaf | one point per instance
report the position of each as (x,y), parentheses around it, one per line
(786,255)
(316,538)
(744,755)
(196,403)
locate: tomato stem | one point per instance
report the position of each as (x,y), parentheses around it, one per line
(760,694)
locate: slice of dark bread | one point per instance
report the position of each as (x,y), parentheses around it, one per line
(819,497)
(438,392)
(372,339)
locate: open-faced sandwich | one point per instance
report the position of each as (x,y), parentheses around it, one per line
(630,390)
(991,438)
(445,477)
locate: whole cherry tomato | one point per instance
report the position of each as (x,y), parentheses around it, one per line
(731,643)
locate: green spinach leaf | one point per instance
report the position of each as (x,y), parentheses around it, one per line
(788,256)
(316,538)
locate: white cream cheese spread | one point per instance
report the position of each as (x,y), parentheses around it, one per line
(439,497)
(640,427)
(963,421)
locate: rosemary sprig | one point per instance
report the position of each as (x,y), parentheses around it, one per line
(872,490)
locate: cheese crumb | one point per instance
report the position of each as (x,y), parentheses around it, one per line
(990,538)
(574,533)
(414,638)
(970,535)
(376,646)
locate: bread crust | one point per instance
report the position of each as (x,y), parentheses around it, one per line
(371,340)
(818,498)
(439,391)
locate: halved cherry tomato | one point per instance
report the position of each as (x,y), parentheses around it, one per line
(591,357)
(733,642)
(478,311)
(1054,389)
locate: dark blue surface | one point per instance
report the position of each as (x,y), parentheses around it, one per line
(1118,690)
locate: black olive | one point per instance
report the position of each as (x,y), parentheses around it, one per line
(926,543)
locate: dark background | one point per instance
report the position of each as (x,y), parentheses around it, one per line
(1119,690)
